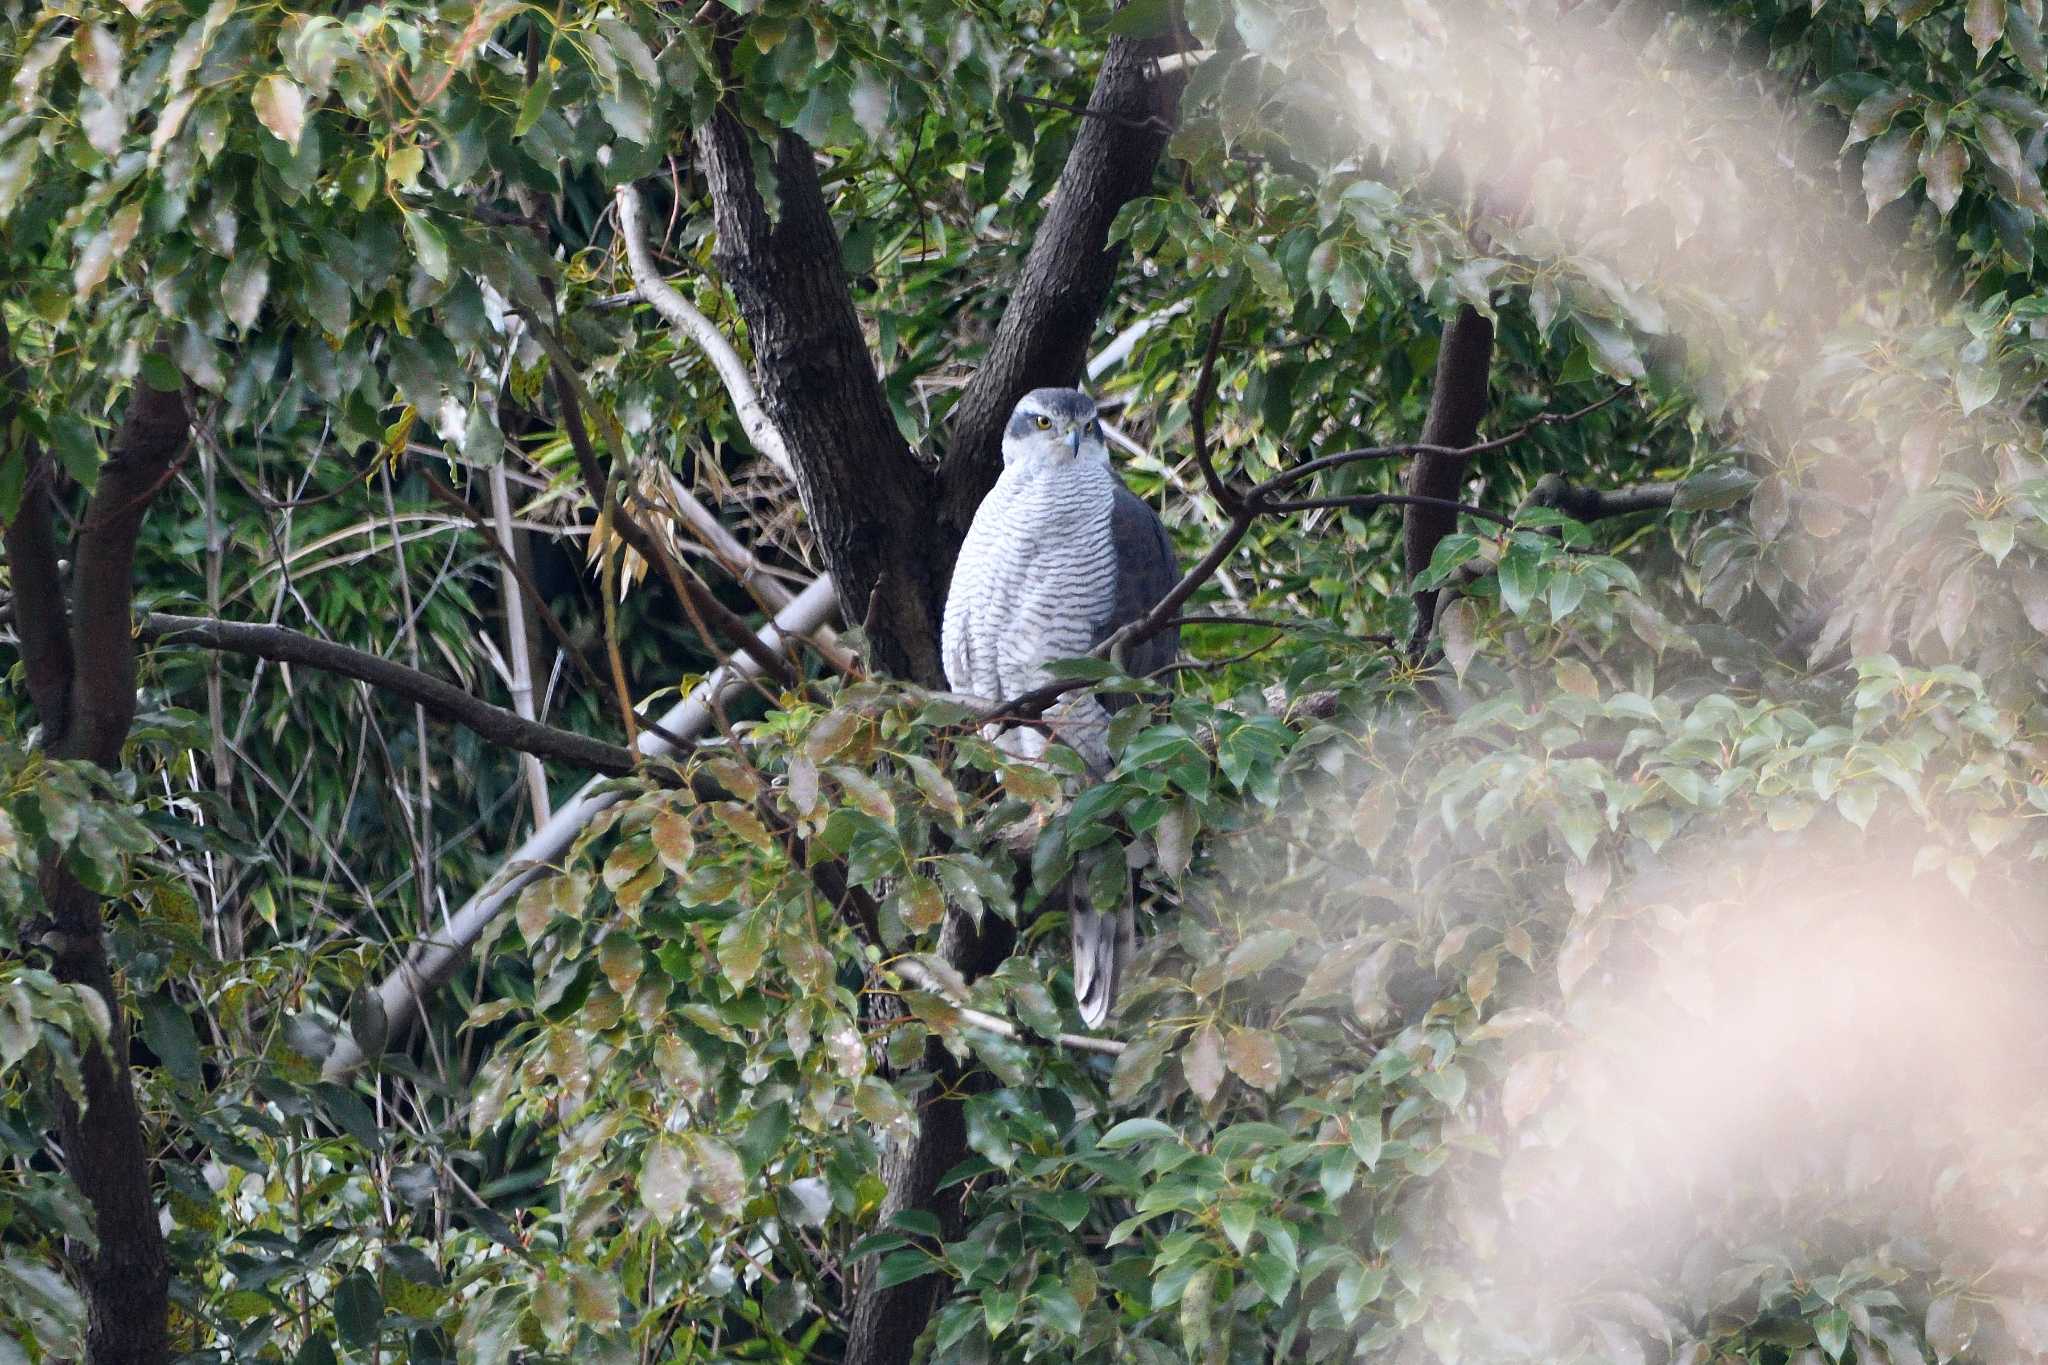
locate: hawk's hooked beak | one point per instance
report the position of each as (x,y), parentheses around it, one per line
(1074,442)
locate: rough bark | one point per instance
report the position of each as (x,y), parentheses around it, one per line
(1058,297)
(85,695)
(889,526)
(1457,403)
(884,1324)
(867,497)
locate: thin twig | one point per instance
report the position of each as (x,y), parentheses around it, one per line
(1288,477)
(1198,413)
(1366,502)
(926,979)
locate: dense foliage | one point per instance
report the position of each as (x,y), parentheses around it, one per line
(1649,969)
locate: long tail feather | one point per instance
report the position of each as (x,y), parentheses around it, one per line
(1103,946)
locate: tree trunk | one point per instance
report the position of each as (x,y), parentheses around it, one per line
(1044,335)
(884,1324)
(82,680)
(1457,403)
(127,1280)
(867,497)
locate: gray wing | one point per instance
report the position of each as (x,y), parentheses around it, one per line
(1145,572)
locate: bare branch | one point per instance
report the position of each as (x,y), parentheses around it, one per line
(688,322)
(1289,477)
(1058,296)
(433,960)
(921,976)
(1366,502)
(440,698)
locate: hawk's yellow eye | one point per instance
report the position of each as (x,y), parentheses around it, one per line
(1042,422)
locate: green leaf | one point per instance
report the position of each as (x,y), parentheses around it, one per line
(1520,575)
(1133,1131)
(1135,1068)
(1889,167)
(1831,1329)
(1202,1062)
(358,1309)
(1257,953)
(1713,488)
(428,243)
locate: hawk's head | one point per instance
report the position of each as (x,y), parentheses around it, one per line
(1054,425)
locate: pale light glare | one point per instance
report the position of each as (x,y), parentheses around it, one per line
(1779,1026)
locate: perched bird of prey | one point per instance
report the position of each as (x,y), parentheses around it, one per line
(1060,555)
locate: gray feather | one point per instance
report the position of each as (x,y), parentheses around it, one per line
(1145,572)
(1059,556)
(1103,946)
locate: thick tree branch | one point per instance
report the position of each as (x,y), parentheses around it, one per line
(1591,504)
(1058,296)
(153,440)
(1456,406)
(87,715)
(688,322)
(863,490)
(442,699)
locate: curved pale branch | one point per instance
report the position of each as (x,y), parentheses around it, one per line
(433,960)
(682,315)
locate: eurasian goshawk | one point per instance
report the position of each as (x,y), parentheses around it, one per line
(1060,555)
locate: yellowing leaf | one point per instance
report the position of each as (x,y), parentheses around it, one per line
(1984,21)
(924,906)
(1943,164)
(673,840)
(402,168)
(741,945)
(281,107)
(622,961)
(1202,1063)
(243,287)
(1255,1057)
(1372,819)
(95,259)
(99,59)
(595,1297)
(1528,1083)
(1459,627)
(665,1179)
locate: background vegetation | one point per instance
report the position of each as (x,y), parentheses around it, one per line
(1591,861)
